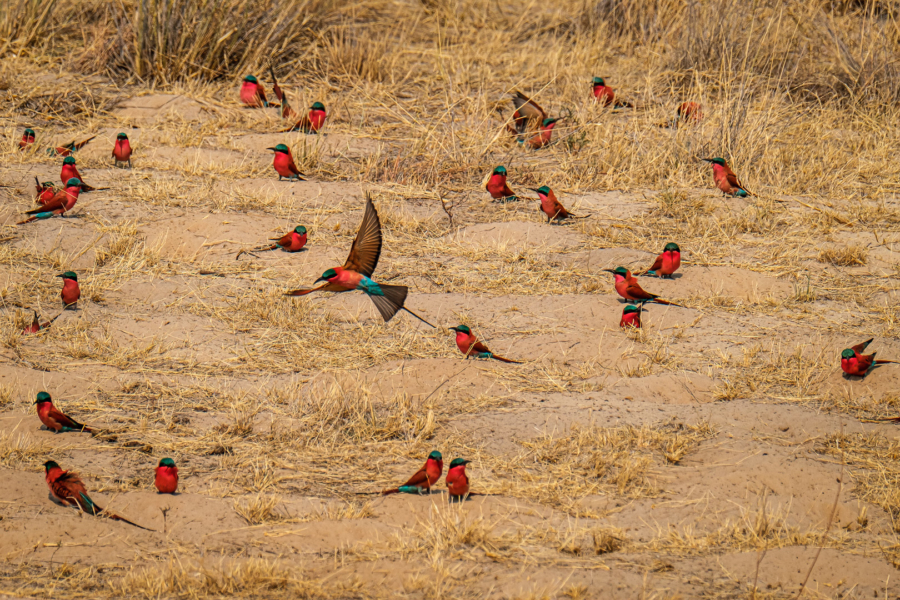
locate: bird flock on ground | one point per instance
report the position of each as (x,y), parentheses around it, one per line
(530,125)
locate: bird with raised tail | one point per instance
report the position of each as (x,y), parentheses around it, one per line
(424,478)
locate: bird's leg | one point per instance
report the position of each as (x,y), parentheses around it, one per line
(129,164)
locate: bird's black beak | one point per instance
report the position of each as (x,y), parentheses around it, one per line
(609,271)
(272,149)
(709,160)
(534,190)
(454,328)
(61,275)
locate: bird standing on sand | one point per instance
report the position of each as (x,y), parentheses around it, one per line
(289,242)
(27,139)
(725,178)
(631,316)
(542,138)
(67,149)
(457,480)
(166,480)
(552,207)
(857,364)
(497,187)
(629,288)
(284,164)
(253,94)
(62,202)
(67,488)
(359,267)
(70,292)
(53,419)
(468,344)
(424,478)
(121,152)
(666,263)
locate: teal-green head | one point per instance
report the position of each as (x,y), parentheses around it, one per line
(462,329)
(630,309)
(671,247)
(716,161)
(47,185)
(318,106)
(50,465)
(121,136)
(548,122)
(250,78)
(327,275)
(620,271)
(69,160)
(848,353)
(598,81)
(280,148)
(458,462)
(300,230)
(69,274)
(74,182)
(29,132)
(167,462)
(435,455)
(501,170)
(543,190)
(43,397)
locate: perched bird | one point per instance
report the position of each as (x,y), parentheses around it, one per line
(469,345)
(666,263)
(854,362)
(53,419)
(67,149)
(36,324)
(725,178)
(631,316)
(457,480)
(424,478)
(66,487)
(629,288)
(122,150)
(359,267)
(27,139)
(528,112)
(70,171)
(312,122)
(62,202)
(497,187)
(166,476)
(284,164)
(605,95)
(70,291)
(289,242)
(542,138)
(552,207)
(253,94)
(45,191)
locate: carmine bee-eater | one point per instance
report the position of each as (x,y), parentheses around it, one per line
(497,187)
(36,324)
(725,178)
(528,115)
(605,95)
(45,191)
(67,488)
(631,316)
(854,362)
(687,113)
(286,111)
(53,419)
(629,288)
(70,291)
(70,171)
(424,478)
(542,138)
(27,139)
(289,242)
(121,152)
(359,267)
(67,149)
(666,263)
(457,480)
(469,345)
(61,202)
(284,164)
(552,207)
(253,94)
(166,476)
(312,122)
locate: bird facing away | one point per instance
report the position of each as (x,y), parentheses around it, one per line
(253,94)
(53,419)
(27,139)
(497,187)
(36,324)
(67,149)
(284,164)
(457,480)
(605,95)
(543,137)
(358,269)
(293,241)
(469,345)
(62,202)
(666,263)
(631,316)
(44,191)
(71,292)
(552,207)
(857,364)
(66,487)
(121,152)
(527,116)
(166,480)
(424,478)
(629,288)
(725,178)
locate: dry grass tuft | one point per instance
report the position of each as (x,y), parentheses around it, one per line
(845,256)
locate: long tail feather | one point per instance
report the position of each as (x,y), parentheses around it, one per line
(887,362)
(392,300)
(418,317)
(506,360)
(666,302)
(116,517)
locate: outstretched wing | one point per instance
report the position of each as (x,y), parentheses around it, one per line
(528,107)
(81,144)
(859,348)
(366,248)
(392,300)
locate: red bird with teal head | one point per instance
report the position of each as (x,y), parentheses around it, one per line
(53,419)
(166,480)
(457,480)
(289,242)
(424,478)
(542,138)
(527,112)
(67,489)
(725,178)
(70,171)
(857,364)
(552,207)
(62,201)
(27,139)
(284,164)
(70,291)
(67,149)
(121,152)
(45,191)
(631,316)
(253,94)
(469,345)
(497,187)
(666,263)
(605,95)
(359,267)
(629,288)
(312,122)
(36,324)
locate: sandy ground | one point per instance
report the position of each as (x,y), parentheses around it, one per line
(658,442)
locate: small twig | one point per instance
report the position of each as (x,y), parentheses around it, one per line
(447,209)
